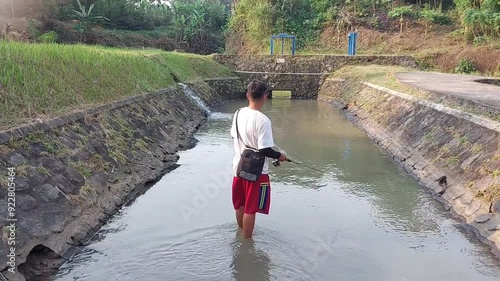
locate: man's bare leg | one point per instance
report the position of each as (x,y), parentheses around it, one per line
(239,216)
(248,224)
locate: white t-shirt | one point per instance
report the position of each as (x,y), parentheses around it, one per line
(255,131)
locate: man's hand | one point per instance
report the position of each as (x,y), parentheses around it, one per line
(283,158)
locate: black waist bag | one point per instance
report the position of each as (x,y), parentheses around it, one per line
(250,165)
(251,161)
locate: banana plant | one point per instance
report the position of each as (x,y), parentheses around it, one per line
(85,19)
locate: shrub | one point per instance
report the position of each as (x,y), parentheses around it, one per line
(403,12)
(465,66)
(435,16)
(478,40)
(49,37)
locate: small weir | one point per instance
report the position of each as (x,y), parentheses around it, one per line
(190,93)
(358,218)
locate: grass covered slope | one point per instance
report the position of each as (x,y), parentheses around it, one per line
(45,80)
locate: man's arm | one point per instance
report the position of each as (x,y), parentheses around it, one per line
(271,153)
(266,142)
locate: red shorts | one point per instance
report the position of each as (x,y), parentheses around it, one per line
(254,196)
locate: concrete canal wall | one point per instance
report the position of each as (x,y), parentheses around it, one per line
(73,172)
(453,153)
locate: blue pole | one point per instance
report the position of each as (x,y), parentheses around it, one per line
(272,46)
(349,45)
(355,36)
(282,45)
(351,49)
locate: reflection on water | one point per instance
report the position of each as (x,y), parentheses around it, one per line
(248,262)
(360,218)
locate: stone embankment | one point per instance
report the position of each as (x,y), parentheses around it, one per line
(453,153)
(74,172)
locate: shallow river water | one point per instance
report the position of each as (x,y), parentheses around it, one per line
(359,218)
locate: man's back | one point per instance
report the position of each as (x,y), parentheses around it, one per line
(255,132)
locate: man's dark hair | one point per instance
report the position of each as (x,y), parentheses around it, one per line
(257,89)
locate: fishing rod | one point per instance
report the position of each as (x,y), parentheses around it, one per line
(277,163)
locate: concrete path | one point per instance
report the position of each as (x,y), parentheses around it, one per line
(455,85)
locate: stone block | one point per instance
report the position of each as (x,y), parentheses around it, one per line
(16,159)
(26,202)
(47,193)
(21,183)
(64,184)
(483,217)
(74,176)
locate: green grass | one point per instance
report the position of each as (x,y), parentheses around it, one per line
(476,148)
(42,170)
(492,192)
(45,80)
(382,75)
(82,167)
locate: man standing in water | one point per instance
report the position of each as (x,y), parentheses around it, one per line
(254,129)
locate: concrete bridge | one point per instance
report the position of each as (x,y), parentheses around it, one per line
(302,75)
